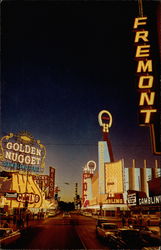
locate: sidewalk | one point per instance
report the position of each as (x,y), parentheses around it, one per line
(31,223)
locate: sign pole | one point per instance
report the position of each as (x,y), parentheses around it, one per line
(26,201)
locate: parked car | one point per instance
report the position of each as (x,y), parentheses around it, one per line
(87,214)
(150,248)
(8,236)
(145,228)
(105,229)
(126,238)
(152,238)
(135,238)
(148,220)
(100,221)
(140,227)
(154,221)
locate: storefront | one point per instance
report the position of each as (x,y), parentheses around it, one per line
(22,161)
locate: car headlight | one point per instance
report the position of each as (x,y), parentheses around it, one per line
(108,233)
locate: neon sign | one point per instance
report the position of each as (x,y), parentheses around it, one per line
(51,182)
(88,172)
(31,155)
(148,111)
(22,152)
(150,200)
(110,200)
(105,120)
(132,199)
(144,67)
(30,197)
(90,167)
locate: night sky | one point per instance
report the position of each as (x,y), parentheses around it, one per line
(64,62)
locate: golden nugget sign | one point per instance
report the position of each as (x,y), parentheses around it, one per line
(147,83)
(22,152)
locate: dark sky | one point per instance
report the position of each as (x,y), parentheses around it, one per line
(62,63)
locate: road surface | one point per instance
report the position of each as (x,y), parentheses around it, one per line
(75,232)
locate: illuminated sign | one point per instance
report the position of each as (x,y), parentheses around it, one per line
(10,195)
(42,180)
(90,167)
(88,172)
(115,199)
(22,152)
(86,182)
(86,203)
(144,70)
(51,182)
(30,197)
(110,200)
(101,149)
(147,83)
(150,200)
(131,199)
(27,190)
(114,177)
(85,186)
(105,120)
(103,156)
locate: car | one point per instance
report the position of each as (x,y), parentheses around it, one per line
(100,221)
(104,230)
(152,238)
(8,236)
(148,220)
(154,221)
(87,213)
(135,238)
(150,248)
(140,227)
(148,229)
(126,238)
(66,215)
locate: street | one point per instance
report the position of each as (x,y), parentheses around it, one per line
(75,232)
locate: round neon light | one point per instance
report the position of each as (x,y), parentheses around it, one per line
(91,166)
(105,120)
